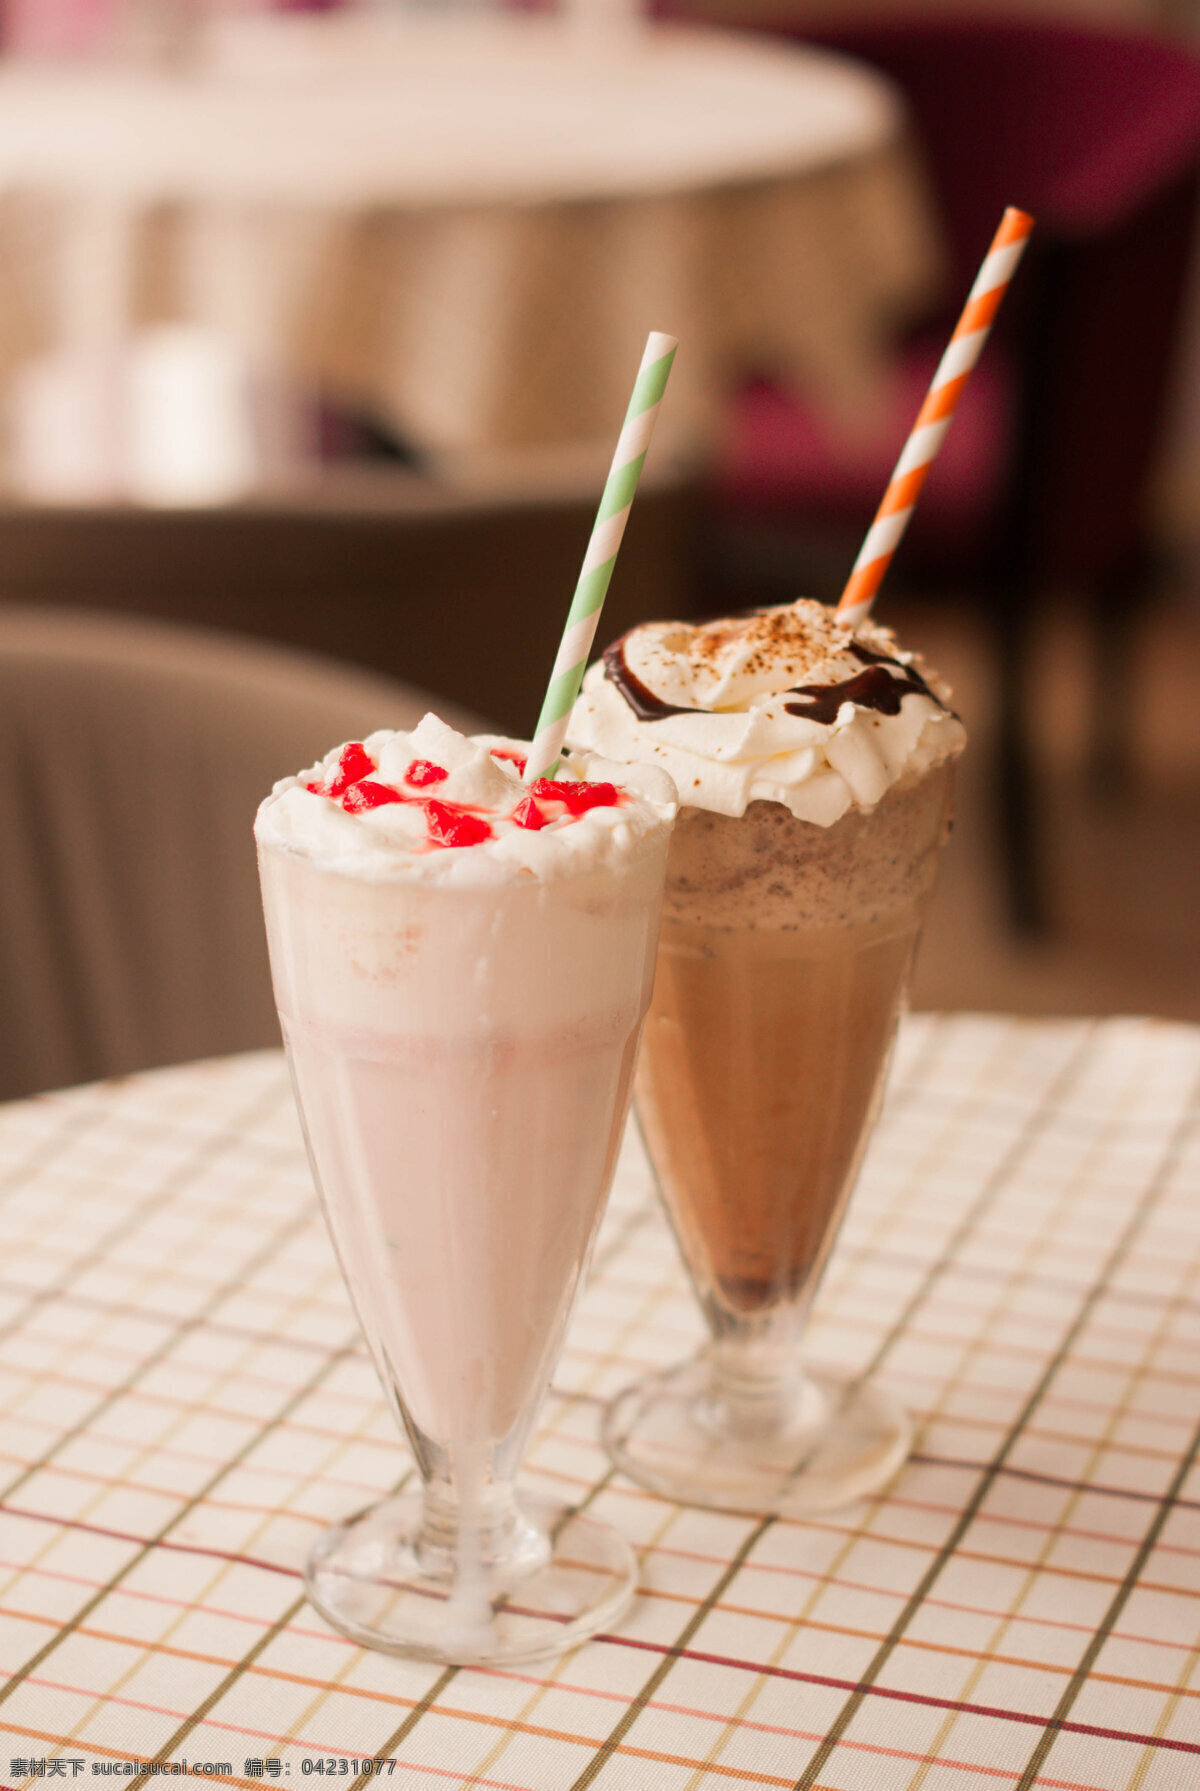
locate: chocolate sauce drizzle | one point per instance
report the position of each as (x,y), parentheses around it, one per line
(645,705)
(873,688)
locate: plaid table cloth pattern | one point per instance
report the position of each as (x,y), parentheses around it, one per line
(185,1401)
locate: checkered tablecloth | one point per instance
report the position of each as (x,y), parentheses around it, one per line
(185,1402)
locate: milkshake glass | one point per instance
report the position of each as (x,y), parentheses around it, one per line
(815,764)
(462,968)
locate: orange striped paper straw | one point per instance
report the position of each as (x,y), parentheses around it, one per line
(934,416)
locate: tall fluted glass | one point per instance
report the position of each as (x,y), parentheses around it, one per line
(783,967)
(462,1060)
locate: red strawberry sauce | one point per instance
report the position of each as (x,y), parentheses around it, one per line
(506,752)
(457,823)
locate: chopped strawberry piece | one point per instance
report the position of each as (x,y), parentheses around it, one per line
(423,772)
(579,797)
(316,789)
(515,758)
(550,790)
(354,763)
(368,794)
(587,796)
(450,826)
(528,814)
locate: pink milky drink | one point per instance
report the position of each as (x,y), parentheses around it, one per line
(462,968)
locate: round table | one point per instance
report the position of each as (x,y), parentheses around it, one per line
(468,224)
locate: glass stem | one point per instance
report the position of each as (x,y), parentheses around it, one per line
(758,1387)
(473,1533)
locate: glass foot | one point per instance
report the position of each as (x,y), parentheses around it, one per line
(571,1577)
(676,1436)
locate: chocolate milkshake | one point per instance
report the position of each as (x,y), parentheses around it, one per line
(815,765)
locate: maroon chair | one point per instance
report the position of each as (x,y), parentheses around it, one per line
(1042,480)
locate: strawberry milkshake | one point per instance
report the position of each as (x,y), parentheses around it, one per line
(462,965)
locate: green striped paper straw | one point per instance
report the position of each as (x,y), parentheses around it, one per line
(601,556)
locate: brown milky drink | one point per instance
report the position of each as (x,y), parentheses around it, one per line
(816,767)
(783,961)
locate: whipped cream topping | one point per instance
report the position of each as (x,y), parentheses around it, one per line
(784,705)
(434,806)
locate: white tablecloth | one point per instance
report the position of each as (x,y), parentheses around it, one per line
(186,1401)
(470,224)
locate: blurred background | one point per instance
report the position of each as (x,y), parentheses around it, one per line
(317,327)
